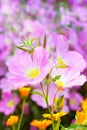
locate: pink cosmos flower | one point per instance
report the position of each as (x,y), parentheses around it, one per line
(65,58)
(68,78)
(8,102)
(33,29)
(26,69)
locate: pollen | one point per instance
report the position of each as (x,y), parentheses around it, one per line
(59,83)
(42,125)
(61,63)
(33,73)
(24,92)
(10,103)
(12,120)
(72,101)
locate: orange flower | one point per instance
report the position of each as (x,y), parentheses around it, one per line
(56,116)
(12,120)
(42,125)
(84,105)
(24,92)
(81,117)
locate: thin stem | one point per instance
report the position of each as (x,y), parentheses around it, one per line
(44,44)
(9,128)
(46,99)
(42,89)
(54,102)
(47,90)
(49,79)
(13,127)
(19,124)
(57,126)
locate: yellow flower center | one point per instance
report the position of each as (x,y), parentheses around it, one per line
(61,63)
(10,104)
(31,29)
(33,73)
(72,101)
(59,83)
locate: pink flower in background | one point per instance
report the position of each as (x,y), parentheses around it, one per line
(3,69)
(75,100)
(10,11)
(25,70)
(79,41)
(65,58)
(33,30)
(4,48)
(77,2)
(8,102)
(5,86)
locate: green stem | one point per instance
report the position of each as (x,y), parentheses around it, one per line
(19,124)
(13,127)
(54,101)
(42,89)
(46,99)
(47,90)
(57,126)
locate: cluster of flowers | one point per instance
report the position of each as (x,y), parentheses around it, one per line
(44,55)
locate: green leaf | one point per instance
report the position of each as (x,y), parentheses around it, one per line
(85,128)
(56,78)
(36,92)
(24,49)
(60,100)
(74,126)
